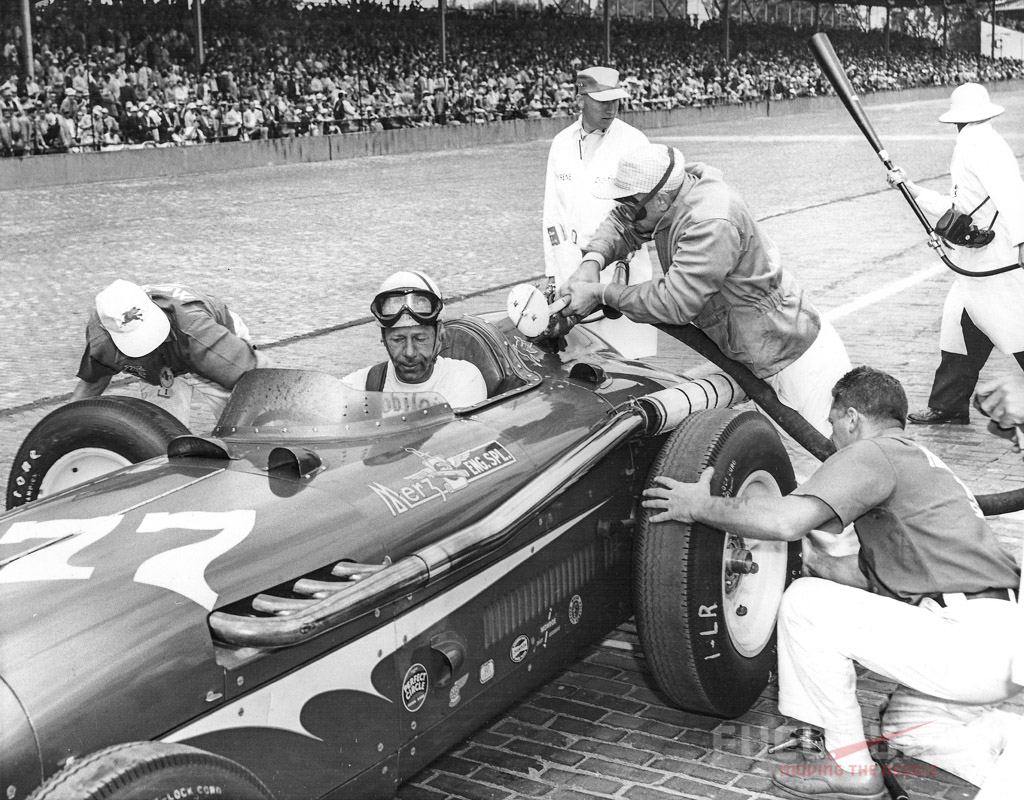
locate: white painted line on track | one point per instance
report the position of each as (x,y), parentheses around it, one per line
(884,292)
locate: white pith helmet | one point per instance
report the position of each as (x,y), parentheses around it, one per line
(970,103)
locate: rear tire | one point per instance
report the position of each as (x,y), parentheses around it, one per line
(86,439)
(147,770)
(707,626)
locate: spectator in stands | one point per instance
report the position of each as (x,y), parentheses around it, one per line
(321,49)
(6,137)
(231,129)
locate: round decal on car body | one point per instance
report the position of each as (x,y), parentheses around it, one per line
(414,687)
(520,647)
(575,609)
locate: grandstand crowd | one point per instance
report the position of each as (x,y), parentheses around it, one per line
(114,76)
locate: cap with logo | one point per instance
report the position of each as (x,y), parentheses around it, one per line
(640,170)
(601,83)
(137,325)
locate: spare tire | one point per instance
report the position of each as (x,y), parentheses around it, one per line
(86,439)
(145,770)
(706,618)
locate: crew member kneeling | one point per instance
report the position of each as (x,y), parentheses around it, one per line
(929,602)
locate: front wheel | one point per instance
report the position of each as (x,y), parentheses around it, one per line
(147,770)
(706,600)
(86,439)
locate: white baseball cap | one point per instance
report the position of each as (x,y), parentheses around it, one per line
(640,170)
(137,325)
(970,103)
(601,83)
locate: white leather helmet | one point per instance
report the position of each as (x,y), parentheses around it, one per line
(407,298)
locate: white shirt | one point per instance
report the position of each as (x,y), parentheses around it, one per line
(459,382)
(577,162)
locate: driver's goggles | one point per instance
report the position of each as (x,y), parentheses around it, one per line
(424,307)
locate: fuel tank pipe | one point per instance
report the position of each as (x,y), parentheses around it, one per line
(795,425)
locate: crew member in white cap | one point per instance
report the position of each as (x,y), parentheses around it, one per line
(583,157)
(721,273)
(176,341)
(979,312)
(408,307)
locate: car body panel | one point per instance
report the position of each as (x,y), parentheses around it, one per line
(112,585)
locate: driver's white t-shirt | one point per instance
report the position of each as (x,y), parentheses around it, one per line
(457,381)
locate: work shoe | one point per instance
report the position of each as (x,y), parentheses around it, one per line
(824,778)
(936,416)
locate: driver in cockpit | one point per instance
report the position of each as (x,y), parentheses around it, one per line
(408,308)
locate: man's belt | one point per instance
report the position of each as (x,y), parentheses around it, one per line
(950,598)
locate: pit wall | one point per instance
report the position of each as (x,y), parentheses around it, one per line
(76,168)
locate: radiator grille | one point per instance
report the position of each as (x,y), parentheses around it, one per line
(512,612)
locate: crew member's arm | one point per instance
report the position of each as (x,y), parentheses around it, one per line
(216,353)
(931,202)
(783,519)
(84,389)
(702,257)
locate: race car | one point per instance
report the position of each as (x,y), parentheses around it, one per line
(337,586)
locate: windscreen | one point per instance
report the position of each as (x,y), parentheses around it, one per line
(304,403)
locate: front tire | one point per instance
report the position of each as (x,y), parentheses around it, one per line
(147,770)
(85,439)
(706,619)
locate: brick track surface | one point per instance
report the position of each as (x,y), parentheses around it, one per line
(298,251)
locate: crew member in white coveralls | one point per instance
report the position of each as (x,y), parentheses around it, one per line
(979,312)
(583,157)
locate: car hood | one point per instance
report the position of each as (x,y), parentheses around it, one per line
(109,585)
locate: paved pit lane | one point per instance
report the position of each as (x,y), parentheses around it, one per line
(299,250)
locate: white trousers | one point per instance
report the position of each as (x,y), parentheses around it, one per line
(183,392)
(806,384)
(961,653)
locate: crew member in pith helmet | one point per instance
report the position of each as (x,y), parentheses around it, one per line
(582,157)
(176,341)
(408,307)
(980,312)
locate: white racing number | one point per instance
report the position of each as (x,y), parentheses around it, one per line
(181,570)
(51,563)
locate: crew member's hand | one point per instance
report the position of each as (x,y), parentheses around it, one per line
(584,297)
(588,271)
(1020,254)
(1003,399)
(895,176)
(676,500)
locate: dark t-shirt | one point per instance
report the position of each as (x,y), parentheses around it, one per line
(921,531)
(202,341)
